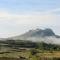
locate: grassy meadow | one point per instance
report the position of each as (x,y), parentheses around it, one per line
(29,54)
(27,50)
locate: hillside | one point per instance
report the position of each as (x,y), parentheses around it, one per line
(38,35)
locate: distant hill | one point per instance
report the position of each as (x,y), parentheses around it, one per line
(38,35)
(43,39)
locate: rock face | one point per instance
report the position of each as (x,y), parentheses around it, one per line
(38,35)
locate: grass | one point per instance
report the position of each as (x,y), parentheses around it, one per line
(38,56)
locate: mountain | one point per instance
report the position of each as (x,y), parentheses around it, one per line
(38,35)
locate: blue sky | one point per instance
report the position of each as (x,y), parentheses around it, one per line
(19,16)
(29,5)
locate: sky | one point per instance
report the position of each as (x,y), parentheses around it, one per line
(19,16)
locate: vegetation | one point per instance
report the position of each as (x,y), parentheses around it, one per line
(28,44)
(27,50)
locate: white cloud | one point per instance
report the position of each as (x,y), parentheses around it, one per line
(28,19)
(53,10)
(12,24)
